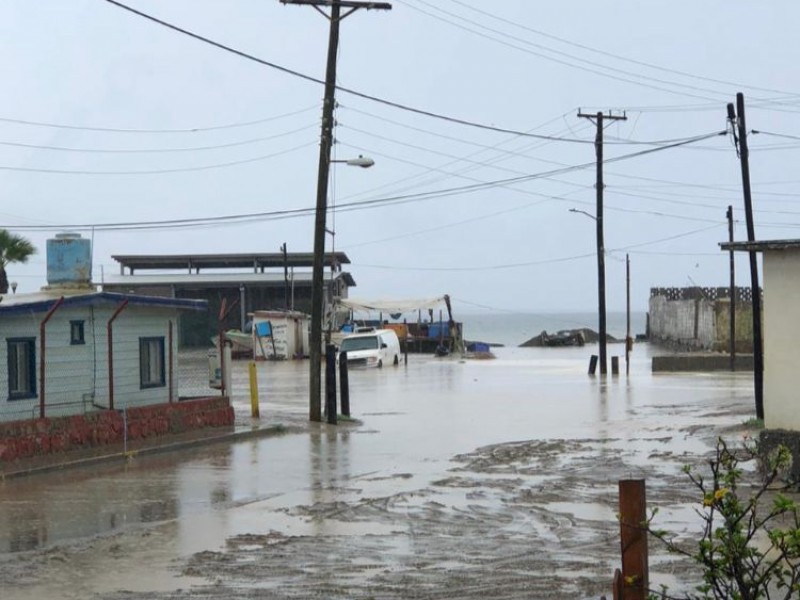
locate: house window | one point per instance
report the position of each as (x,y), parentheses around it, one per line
(151,362)
(76,333)
(21,368)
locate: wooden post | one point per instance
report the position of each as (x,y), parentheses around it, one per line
(633,538)
(344,384)
(330,383)
(619,589)
(593,364)
(254,408)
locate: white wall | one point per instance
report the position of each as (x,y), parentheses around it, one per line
(781,336)
(77,375)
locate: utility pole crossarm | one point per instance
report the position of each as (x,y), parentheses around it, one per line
(342,3)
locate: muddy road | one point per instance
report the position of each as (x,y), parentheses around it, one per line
(459,480)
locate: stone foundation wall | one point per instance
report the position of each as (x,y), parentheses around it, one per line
(38,437)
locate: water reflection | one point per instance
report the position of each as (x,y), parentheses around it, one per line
(416,418)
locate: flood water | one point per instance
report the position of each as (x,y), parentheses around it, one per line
(413,420)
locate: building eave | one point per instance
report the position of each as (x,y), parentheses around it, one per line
(35,303)
(761,246)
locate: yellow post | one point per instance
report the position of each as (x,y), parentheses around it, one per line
(254,390)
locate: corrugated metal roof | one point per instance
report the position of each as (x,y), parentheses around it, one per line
(224,261)
(226,279)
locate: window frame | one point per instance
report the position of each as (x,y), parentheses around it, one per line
(145,362)
(77,325)
(13,367)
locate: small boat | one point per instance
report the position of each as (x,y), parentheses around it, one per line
(241,343)
(565,337)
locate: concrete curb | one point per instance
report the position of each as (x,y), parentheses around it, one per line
(156,448)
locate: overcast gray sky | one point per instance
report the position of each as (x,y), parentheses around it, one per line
(516,64)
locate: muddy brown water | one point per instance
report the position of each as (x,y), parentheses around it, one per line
(460,479)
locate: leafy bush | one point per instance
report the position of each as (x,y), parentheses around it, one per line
(749,548)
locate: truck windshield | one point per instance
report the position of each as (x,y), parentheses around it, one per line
(353,344)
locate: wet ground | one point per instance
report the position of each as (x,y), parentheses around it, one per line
(459,480)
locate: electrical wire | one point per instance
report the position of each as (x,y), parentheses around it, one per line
(536,262)
(547,261)
(155,150)
(440,168)
(348,207)
(609,141)
(128,130)
(579,67)
(612,190)
(346,90)
(158,171)
(778,135)
(617,56)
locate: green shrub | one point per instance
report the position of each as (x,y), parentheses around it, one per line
(749,547)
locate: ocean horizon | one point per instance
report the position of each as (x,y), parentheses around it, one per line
(514,329)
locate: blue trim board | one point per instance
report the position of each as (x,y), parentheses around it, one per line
(98,298)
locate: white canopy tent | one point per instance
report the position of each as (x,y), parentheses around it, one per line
(393,306)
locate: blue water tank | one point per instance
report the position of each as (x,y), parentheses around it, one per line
(69,260)
(437,330)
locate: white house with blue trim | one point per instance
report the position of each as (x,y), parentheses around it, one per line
(70,349)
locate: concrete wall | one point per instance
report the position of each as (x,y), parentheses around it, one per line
(699,318)
(743,322)
(688,322)
(781,335)
(39,437)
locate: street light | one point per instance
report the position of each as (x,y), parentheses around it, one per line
(362,161)
(601,289)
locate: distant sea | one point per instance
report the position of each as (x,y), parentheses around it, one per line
(513,329)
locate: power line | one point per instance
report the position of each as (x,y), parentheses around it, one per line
(536,262)
(348,207)
(617,56)
(579,67)
(154,150)
(440,168)
(130,130)
(352,92)
(474,268)
(157,171)
(616,142)
(778,135)
(485,164)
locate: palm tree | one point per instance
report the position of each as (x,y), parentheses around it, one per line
(13,249)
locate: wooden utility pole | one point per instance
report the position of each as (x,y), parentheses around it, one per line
(628,338)
(732,293)
(740,126)
(326,142)
(598,217)
(285,277)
